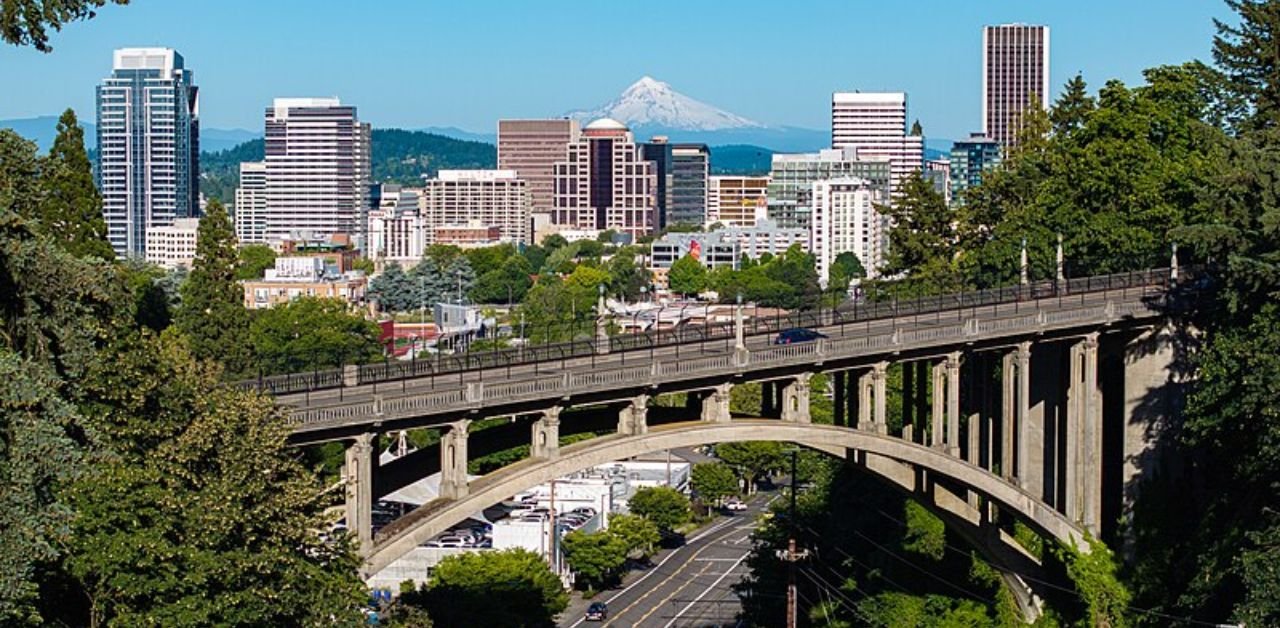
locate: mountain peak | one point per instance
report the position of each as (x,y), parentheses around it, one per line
(650,102)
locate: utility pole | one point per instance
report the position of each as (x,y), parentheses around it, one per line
(791,550)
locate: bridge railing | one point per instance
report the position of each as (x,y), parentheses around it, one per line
(696,337)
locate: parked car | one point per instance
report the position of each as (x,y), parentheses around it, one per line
(598,611)
(797,335)
(733,503)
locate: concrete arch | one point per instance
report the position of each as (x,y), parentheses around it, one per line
(431,519)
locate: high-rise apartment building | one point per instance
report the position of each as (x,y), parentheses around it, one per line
(532,148)
(737,201)
(148,113)
(874,125)
(605,183)
(846,220)
(791,179)
(938,172)
(1015,75)
(317,169)
(690,178)
(250,208)
(488,198)
(969,159)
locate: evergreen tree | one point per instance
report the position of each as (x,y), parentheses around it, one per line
(923,244)
(72,209)
(1250,59)
(916,129)
(213,316)
(1071,110)
(392,289)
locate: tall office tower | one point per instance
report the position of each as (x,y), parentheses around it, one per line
(737,201)
(846,220)
(658,151)
(791,179)
(317,169)
(969,159)
(874,124)
(690,173)
(605,183)
(148,145)
(532,148)
(485,198)
(251,203)
(1015,75)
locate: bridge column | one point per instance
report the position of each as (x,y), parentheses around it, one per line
(908,395)
(453,461)
(878,379)
(952,366)
(633,419)
(795,399)
(1031,476)
(866,394)
(358,473)
(715,404)
(768,404)
(1084,442)
(546,435)
(937,426)
(838,383)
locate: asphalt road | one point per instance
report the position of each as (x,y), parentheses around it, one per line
(688,586)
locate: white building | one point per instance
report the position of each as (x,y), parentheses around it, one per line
(488,198)
(173,246)
(727,246)
(845,219)
(148,145)
(396,231)
(317,169)
(250,209)
(791,179)
(874,124)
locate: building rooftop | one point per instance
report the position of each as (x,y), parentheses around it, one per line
(605,124)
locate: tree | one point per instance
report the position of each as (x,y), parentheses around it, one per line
(393,290)
(553,242)
(626,276)
(213,316)
(664,506)
(844,269)
(923,245)
(202,513)
(72,209)
(638,534)
(312,333)
(443,276)
(513,587)
(595,556)
(1248,57)
(26,22)
(486,259)
(1071,111)
(751,459)
(713,481)
(253,260)
(505,284)
(687,276)
(916,129)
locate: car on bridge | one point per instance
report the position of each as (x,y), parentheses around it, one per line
(797,335)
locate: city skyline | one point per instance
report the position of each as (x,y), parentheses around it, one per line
(461,84)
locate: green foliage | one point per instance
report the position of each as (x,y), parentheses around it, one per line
(923,244)
(72,209)
(1094,575)
(512,587)
(1029,539)
(664,506)
(789,280)
(27,22)
(595,556)
(213,316)
(751,459)
(557,309)
(1248,57)
(713,481)
(687,276)
(508,283)
(844,269)
(626,275)
(310,333)
(253,260)
(638,534)
(393,290)
(153,306)
(201,514)
(926,534)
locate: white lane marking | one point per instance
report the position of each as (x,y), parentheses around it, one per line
(715,560)
(705,592)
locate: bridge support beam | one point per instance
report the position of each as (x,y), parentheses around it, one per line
(1084,436)
(839,383)
(1030,440)
(795,399)
(715,404)
(453,461)
(952,367)
(633,420)
(937,426)
(546,435)
(358,472)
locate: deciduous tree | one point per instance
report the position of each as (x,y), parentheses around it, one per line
(664,506)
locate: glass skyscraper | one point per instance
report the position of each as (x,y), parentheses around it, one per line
(148,145)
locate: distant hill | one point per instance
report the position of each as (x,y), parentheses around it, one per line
(741,159)
(399,156)
(42,130)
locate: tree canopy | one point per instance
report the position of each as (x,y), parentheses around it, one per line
(213,316)
(664,506)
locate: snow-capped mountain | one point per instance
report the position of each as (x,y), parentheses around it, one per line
(652,103)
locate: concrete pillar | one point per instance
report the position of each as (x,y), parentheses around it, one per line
(878,377)
(837,396)
(908,433)
(921,395)
(1030,441)
(795,399)
(866,403)
(1008,399)
(952,366)
(768,404)
(715,404)
(453,461)
(358,472)
(1084,436)
(908,394)
(546,435)
(633,418)
(937,425)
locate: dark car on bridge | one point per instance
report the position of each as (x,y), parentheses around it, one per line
(799,334)
(598,611)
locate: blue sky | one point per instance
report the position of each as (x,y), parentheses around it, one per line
(468,63)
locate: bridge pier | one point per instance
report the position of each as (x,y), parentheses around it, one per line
(768,399)
(1084,436)
(358,473)
(715,404)
(795,399)
(633,418)
(1028,472)
(546,435)
(453,461)
(952,368)
(839,382)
